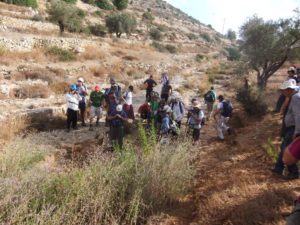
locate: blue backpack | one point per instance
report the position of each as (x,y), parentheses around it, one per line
(227,109)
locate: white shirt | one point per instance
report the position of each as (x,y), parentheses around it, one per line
(177,112)
(128,97)
(73,101)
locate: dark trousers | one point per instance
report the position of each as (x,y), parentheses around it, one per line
(82,107)
(165,97)
(196,134)
(279,103)
(287,139)
(148,95)
(71,118)
(116,135)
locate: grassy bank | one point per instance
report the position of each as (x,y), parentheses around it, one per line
(124,190)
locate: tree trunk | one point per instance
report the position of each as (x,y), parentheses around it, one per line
(118,35)
(261,82)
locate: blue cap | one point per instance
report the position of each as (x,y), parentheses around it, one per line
(73,87)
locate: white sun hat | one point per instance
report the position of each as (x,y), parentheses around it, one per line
(291,83)
(81,79)
(119,108)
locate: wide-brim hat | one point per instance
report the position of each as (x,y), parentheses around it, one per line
(289,84)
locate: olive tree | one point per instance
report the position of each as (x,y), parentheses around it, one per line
(121,23)
(231,35)
(66,16)
(267,45)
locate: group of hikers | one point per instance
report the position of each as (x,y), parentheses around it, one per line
(288,105)
(165,110)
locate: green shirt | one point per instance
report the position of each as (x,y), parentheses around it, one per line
(96,98)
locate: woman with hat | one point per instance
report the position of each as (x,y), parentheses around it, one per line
(73,98)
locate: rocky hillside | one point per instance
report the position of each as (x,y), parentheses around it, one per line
(37,63)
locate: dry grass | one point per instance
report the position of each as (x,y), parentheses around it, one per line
(174,71)
(92,52)
(99,71)
(12,127)
(31,91)
(136,74)
(129,58)
(59,87)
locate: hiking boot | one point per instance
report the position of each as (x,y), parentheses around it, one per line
(97,124)
(91,128)
(291,176)
(229,131)
(75,128)
(68,130)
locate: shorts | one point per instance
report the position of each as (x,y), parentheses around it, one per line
(294,148)
(82,105)
(95,111)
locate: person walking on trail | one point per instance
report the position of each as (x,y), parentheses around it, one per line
(291,128)
(150,84)
(73,98)
(164,78)
(117,117)
(96,100)
(290,157)
(195,118)
(114,93)
(82,90)
(128,108)
(178,109)
(223,111)
(282,100)
(209,99)
(166,91)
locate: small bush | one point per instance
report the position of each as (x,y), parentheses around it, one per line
(148,16)
(192,36)
(253,101)
(104,4)
(70,1)
(199,58)
(211,78)
(159,46)
(59,87)
(171,48)
(98,30)
(38,17)
(155,34)
(62,54)
(98,13)
(99,71)
(93,52)
(120,4)
(136,74)
(3,50)
(36,74)
(233,54)
(206,37)
(162,28)
(29,3)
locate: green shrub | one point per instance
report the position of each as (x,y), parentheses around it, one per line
(162,28)
(199,57)
(253,101)
(233,54)
(104,4)
(98,30)
(159,46)
(63,55)
(98,13)
(120,4)
(121,23)
(29,3)
(171,48)
(148,16)
(206,37)
(70,1)
(66,16)
(155,34)
(38,17)
(192,36)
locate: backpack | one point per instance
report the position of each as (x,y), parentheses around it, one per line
(227,109)
(209,97)
(180,106)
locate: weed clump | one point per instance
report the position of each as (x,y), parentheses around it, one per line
(62,54)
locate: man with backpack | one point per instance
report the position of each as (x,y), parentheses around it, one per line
(209,99)
(150,84)
(166,91)
(177,107)
(224,111)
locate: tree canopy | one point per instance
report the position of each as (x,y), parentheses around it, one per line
(231,35)
(121,23)
(267,45)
